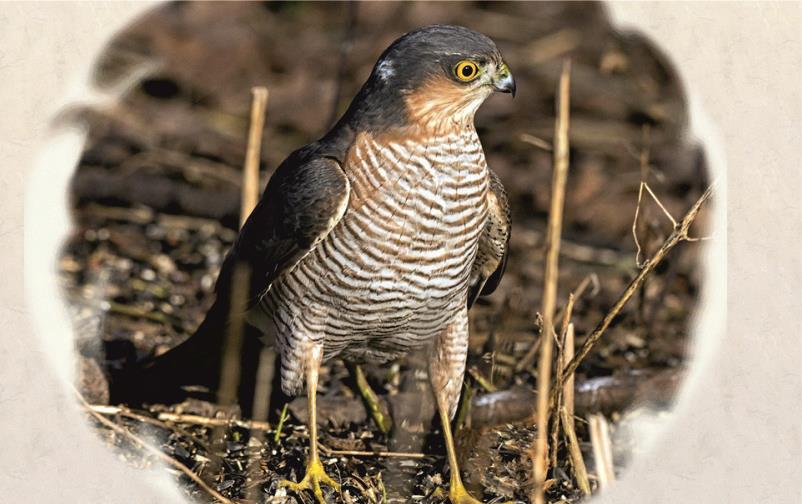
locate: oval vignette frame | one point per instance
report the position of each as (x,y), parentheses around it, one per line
(63,150)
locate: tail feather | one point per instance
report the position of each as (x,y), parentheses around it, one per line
(165,378)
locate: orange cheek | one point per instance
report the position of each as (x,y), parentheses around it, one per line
(437,97)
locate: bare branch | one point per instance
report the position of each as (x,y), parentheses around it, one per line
(679,234)
(575,453)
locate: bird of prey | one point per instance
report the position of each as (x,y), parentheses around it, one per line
(377,238)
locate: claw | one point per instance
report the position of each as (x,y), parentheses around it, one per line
(457,493)
(315,476)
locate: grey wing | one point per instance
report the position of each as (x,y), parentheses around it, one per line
(491,258)
(305,198)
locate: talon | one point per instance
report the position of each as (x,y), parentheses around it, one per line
(315,476)
(457,494)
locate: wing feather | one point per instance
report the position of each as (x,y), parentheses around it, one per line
(491,259)
(304,200)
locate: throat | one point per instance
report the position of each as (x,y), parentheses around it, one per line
(439,116)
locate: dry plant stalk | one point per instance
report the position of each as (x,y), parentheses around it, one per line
(186,419)
(539,452)
(568,387)
(602,449)
(250,173)
(230,371)
(679,234)
(574,452)
(555,424)
(155,451)
(250,197)
(590,280)
(363,453)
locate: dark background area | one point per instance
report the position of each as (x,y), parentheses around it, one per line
(156,205)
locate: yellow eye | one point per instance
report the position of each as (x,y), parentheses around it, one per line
(466,70)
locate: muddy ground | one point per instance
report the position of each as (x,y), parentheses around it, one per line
(156,202)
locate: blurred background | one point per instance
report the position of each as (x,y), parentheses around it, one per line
(156,199)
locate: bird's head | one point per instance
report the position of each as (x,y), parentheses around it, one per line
(437,77)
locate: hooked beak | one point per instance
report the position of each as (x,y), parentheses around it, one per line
(504,81)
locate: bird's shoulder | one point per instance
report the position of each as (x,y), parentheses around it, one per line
(304,199)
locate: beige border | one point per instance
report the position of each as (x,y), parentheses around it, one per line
(737,438)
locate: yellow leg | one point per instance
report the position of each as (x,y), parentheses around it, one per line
(315,474)
(446,369)
(457,493)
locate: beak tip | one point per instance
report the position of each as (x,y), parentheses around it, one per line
(506,84)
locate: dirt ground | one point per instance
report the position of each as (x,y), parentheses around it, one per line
(156,205)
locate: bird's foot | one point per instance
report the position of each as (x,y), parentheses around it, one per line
(315,476)
(457,494)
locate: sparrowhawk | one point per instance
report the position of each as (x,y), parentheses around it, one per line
(377,238)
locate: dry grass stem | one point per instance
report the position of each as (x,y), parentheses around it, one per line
(555,423)
(568,386)
(590,280)
(483,382)
(660,204)
(602,449)
(232,347)
(540,449)
(361,453)
(250,173)
(679,234)
(536,141)
(182,419)
(574,452)
(155,451)
(264,379)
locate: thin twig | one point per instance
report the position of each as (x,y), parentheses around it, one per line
(679,234)
(568,387)
(539,451)
(660,204)
(360,453)
(639,249)
(155,451)
(574,452)
(187,419)
(126,412)
(536,141)
(643,158)
(591,279)
(481,380)
(602,449)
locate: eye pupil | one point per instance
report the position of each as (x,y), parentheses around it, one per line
(466,71)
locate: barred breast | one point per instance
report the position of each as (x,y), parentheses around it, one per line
(395,269)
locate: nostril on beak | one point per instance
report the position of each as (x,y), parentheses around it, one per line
(505,83)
